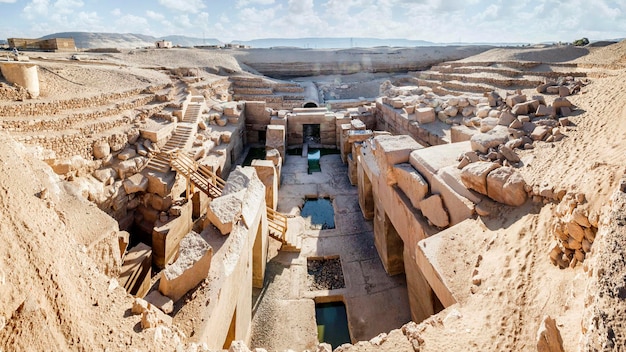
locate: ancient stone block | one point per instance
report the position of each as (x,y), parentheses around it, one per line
(357,124)
(483,141)
(191,267)
(506,185)
(266,172)
(395,149)
(506,118)
(432,208)
(411,183)
(164,303)
(136,183)
(425,115)
(474,175)
(101,149)
(488,123)
(545,111)
(223,211)
(514,99)
(540,132)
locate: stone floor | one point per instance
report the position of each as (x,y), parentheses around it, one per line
(375,302)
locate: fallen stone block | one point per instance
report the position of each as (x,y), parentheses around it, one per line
(488,123)
(432,208)
(514,99)
(225,210)
(127,154)
(425,115)
(135,183)
(564,91)
(474,175)
(545,111)
(507,186)
(509,154)
(540,133)
(101,149)
(395,149)
(483,141)
(164,303)
(191,267)
(153,317)
(411,183)
(506,118)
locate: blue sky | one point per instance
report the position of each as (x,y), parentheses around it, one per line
(433,20)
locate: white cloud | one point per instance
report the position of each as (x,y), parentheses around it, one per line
(36,8)
(155,15)
(244,3)
(116,12)
(132,24)
(191,6)
(8,1)
(67,6)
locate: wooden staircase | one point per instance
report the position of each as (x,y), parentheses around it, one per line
(212,185)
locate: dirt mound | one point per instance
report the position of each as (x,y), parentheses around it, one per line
(614,54)
(53,296)
(552,53)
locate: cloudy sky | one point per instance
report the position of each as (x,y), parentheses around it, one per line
(226,20)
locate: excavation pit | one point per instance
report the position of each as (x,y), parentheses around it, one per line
(319,213)
(332,323)
(254,153)
(324,273)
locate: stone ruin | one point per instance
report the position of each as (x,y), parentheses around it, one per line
(424,159)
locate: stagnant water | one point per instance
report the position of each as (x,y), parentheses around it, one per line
(332,323)
(254,153)
(321,213)
(313,156)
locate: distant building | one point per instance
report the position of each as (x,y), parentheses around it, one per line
(53,44)
(163,44)
(236,46)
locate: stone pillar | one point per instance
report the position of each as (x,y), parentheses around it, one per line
(266,172)
(388,242)
(23,74)
(366,193)
(275,138)
(421,296)
(259,253)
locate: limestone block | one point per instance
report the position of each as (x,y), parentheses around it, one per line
(509,154)
(411,183)
(564,91)
(548,336)
(521,109)
(357,124)
(488,123)
(545,111)
(506,185)
(225,210)
(164,303)
(451,110)
(275,136)
(191,267)
(425,115)
(483,111)
(433,209)
(136,270)
(561,103)
(167,233)
(539,133)
(160,183)
(101,149)
(104,175)
(468,111)
(483,141)
(266,172)
(127,168)
(395,149)
(474,175)
(506,118)
(514,99)
(462,133)
(136,183)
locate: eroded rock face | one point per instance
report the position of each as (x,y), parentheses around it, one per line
(433,209)
(506,185)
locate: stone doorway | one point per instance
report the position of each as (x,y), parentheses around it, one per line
(311,134)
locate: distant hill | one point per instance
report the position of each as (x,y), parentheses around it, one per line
(331,43)
(89,40)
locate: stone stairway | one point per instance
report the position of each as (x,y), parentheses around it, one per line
(277,94)
(462,78)
(182,138)
(212,185)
